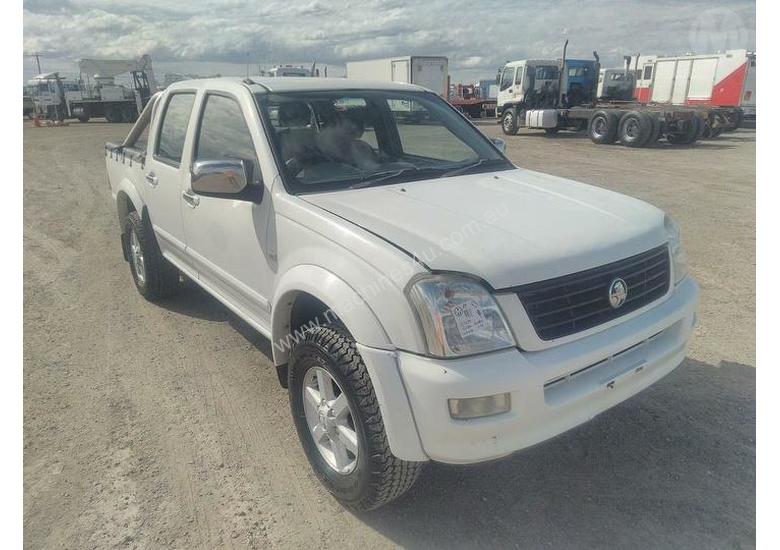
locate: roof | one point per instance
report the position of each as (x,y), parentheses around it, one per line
(297,84)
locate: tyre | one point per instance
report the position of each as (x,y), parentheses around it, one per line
(339,423)
(509,122)
(716,132)
(128,113)
(691,133)
(655,132)
(84,118)
(551,131)
(154,276)
(112,114)
(602,127)
(706,132)
(737,120)
(634,129)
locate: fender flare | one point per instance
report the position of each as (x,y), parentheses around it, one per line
(331,290)
(127,188)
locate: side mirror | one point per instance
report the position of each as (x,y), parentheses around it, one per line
(500,144)
(221,177)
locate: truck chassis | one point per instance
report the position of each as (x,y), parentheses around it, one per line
(633,124)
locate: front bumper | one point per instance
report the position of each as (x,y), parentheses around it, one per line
(551,391)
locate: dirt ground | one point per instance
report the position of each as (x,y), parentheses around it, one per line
(149,426)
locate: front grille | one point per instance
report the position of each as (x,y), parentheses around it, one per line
(573,303)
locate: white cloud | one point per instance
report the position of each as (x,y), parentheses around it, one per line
(476,36)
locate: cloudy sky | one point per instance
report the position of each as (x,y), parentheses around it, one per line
(221,36)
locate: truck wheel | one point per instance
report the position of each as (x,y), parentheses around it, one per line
(154,276)
(655,133)
(509,122)
(691,133)
(551,131)
(706,132)
(84,118)
(634,129)
(111,114)
(337,417)
(737,120)
(128,114)
(602,127)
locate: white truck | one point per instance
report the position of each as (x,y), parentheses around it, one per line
(430,72)
(722,79)
(426,300)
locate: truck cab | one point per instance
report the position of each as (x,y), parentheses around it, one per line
(527,84)
(425,299)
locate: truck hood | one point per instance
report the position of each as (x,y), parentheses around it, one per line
(508,228)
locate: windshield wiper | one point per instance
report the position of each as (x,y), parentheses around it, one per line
(378,177)
(467,168)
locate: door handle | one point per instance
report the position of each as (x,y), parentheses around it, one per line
(190,198)
(151,179)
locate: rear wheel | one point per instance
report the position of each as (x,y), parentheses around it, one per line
(339,423)
(634,129)
(655,132)
(707,132)
(154,276)
(509,122)
(112,114)
(602,128)
(551,131)
(691,133)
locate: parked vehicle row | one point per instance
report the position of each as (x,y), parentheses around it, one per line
(426,300)
(95,93)
(570,94)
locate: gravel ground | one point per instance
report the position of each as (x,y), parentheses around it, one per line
(149,426)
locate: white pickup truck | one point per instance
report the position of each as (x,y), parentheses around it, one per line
(425,298)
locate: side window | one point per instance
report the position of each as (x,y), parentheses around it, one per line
(648,72)
(519,75)
(506,77)
(173,128)
(223,133)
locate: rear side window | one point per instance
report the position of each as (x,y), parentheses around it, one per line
(223,132)
(648,72)
(173,128)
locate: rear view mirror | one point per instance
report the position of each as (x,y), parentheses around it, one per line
(221,177)
(500,144)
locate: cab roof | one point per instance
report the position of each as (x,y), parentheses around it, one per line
(260,84)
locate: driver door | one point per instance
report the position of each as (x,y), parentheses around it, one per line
(226,234)
(506,86)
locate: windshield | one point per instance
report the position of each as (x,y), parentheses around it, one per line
(348,139)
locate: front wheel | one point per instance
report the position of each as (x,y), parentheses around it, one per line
(509,122)
(339,423)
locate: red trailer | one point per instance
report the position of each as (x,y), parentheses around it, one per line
(467,98)
(726,79)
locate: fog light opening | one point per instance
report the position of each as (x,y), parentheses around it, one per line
(479,407)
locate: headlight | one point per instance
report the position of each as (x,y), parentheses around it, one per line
(679,257)
(458,316)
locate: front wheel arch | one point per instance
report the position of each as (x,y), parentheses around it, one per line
(342,301)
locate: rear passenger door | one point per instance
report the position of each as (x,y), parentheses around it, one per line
(164,175)
(226,236)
